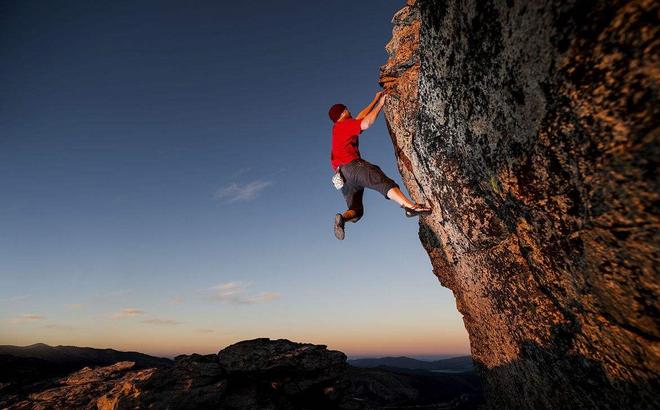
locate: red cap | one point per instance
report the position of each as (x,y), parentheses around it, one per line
(335,111)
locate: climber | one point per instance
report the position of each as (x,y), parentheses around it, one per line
(356,173)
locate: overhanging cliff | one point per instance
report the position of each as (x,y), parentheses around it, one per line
(531,127)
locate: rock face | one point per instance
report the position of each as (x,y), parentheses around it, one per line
(531,127)
(253,374)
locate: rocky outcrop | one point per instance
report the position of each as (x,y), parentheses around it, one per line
(253,374)
(87,389)
(280,355)
(531,127)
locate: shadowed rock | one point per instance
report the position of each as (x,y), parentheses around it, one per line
(277,355)
(531,128)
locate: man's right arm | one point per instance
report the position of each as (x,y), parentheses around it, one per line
(370,118)
(369,107)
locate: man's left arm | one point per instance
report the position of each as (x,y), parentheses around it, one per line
(369,107)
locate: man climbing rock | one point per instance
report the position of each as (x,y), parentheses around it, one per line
(357,173)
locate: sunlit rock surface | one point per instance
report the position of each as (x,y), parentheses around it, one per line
(531,128)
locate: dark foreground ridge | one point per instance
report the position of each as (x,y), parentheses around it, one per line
(532,129)
(252,374)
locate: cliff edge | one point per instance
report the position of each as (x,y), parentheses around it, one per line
(532,129)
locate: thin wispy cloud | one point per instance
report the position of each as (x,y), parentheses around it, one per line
(236,292)
(75,306)
(261,297)
(26,318)
(175,301)
(241,192)
(162,322)
(205,330)
(128,312)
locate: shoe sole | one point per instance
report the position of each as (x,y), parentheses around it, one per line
(339,230)
(411,214)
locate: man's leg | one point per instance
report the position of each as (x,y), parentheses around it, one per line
(353,196)
(373,177)
(355,208)
(397,196)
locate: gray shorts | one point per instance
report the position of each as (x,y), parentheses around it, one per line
(359,174)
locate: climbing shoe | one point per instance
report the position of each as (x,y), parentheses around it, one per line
(417,209)
(339,227)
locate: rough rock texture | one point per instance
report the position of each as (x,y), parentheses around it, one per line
(279,355)
(253,374)
(88,389)
(531,127)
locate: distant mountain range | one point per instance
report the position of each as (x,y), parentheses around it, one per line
(74,354)
(70,358)
(35,362)
(452,365)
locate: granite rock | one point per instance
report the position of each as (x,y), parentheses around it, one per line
(531,128)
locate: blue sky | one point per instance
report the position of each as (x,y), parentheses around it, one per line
(166,181)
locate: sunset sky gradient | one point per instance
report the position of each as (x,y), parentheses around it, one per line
(166,181)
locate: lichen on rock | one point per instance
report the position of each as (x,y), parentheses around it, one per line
(531,128)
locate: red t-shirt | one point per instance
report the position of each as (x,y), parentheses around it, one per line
(345,142)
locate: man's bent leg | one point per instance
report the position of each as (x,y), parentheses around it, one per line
(411,208)
(373,177)
(397,196)
(355,208)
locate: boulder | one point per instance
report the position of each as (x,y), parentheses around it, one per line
(266,355)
